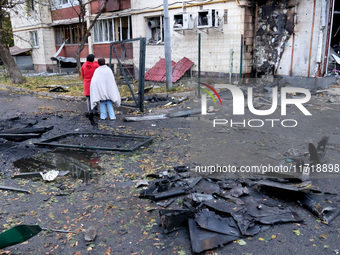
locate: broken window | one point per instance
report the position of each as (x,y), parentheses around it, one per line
(103,30)
(155,30)
(58,4)
(334,64)
(71,34)
(208,18)
(110,30)
(34,39)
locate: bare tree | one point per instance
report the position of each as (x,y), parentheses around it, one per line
(86,31)
(5,55)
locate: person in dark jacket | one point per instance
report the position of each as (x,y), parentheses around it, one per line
(87,71)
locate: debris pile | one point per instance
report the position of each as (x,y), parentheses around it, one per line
(218,211)
(19,135)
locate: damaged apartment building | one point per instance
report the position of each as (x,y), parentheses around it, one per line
(299,38)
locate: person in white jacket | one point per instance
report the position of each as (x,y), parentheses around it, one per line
(104,90)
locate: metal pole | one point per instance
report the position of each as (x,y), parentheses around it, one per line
(241,59)
(167,46)
(142,48)
(199,66)
(231,65)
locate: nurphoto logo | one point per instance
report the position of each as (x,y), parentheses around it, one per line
(239,105)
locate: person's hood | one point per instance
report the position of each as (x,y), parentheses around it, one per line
(90,65)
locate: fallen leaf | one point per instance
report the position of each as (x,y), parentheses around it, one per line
(241,242)
(324,236)
(297,232)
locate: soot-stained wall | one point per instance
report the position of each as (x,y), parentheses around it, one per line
(275,25)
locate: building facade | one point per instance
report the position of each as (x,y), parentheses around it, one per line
(250,38)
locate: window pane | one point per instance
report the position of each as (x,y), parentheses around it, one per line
(105,31)
(100,37)
(110,30)
(95,32)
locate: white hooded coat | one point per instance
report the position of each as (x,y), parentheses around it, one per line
(103,87)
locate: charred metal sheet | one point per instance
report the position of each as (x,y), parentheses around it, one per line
(197,197)
(247,224)
(193,182)
(22,134)
(229,198)
(181,169)
(210,221)
(98,141)
(206,186)
(166,203)
(305,186)
(223,206)
(19,137)
(239,190)
(202,240)
(321,205)
(27,130)
(148,193)
(283,217)
(168,194)
(14,189)
(252,219)
(172,220)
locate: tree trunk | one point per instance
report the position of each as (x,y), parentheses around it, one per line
(11,66)
(78,51)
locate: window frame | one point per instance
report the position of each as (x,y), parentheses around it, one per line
(71,34)
(59,4)
(34,39)
(112,29)
(149,30)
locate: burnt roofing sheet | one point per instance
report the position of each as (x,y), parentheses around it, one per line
(158,71)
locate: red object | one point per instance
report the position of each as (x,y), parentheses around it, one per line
(158,71)
(180,68)
(87,71)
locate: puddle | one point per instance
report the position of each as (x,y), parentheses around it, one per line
(82,165)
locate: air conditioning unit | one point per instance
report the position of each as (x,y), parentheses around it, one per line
(183,21)
(208,18)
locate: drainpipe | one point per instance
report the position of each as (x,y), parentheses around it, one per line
(88,14)
(311,39)
(231,65)
(328,36)
(241,60)
(292,56)
(199,66)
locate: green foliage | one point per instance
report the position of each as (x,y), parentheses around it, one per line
(7,34)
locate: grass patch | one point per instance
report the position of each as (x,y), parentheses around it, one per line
(75,86)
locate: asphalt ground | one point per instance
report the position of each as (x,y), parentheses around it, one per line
(100,191)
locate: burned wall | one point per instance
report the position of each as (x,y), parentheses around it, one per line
(275,25)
